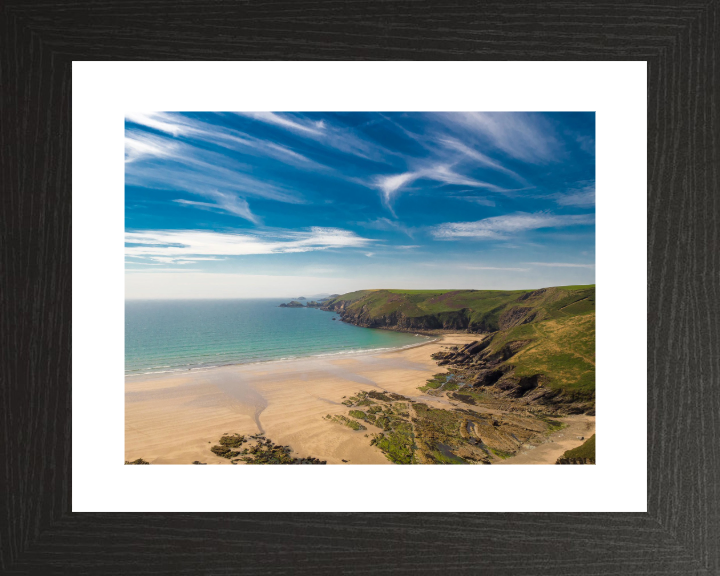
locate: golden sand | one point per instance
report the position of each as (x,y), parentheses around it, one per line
(175,418)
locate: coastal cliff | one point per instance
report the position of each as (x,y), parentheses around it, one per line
(476,311)
(537,349)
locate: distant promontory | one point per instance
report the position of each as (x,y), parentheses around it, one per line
(310,303)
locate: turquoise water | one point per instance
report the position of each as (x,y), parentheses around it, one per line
(180,335)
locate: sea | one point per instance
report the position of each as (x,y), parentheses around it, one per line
(180,335)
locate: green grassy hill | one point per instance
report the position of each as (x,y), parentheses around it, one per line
(474,310)
(562,350)
(540,344)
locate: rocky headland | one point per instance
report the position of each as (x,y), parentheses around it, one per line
(476,311)
(531,366)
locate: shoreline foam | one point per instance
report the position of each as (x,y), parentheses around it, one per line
(348,353)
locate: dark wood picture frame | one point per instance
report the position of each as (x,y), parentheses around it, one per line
(680,533)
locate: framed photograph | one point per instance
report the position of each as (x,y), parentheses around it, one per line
(441,284)
(406,365)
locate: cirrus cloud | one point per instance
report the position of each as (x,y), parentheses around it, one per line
(188,244)
(500,227)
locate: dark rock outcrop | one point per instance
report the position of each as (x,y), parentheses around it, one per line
(489,370)
(534,294)
(293,304)
(516,316)
(454,320)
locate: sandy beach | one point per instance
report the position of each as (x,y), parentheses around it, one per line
(175,418)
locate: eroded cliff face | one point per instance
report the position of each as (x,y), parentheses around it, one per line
(493,373)
(542,356)
(456,320)
(517,316)
(452,320)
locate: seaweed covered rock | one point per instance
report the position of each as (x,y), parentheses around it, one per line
(416,433)
(224,452)
(263,451)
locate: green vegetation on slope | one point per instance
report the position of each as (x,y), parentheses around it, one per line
(477,310)
(539,339)
(584,452)
(562,350)
(345,421)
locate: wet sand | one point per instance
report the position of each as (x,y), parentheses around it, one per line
(175,418)
(579,428)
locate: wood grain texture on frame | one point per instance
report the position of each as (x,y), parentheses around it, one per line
(681,531)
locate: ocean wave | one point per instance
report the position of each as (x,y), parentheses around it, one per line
(194,367)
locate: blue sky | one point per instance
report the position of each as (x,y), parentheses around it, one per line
(269,204)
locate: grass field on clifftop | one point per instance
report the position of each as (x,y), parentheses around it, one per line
(484,308)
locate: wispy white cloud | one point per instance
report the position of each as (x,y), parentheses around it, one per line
(458,146)
(388,224)
(135,263)
(472,196)
(328,135)
(583,197)
(390,185)
(178,125)
(500,227)
(173,159)
(585,141)
(290,156)
(162,121)
(527,137)
(494,268)
(205,173)
(181,260)
(224,202)
(189,244)
(139,145)
(475,154)
(168,164)
(286,121)
(469,267)
(445,174)
(153,270)
(562,264)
